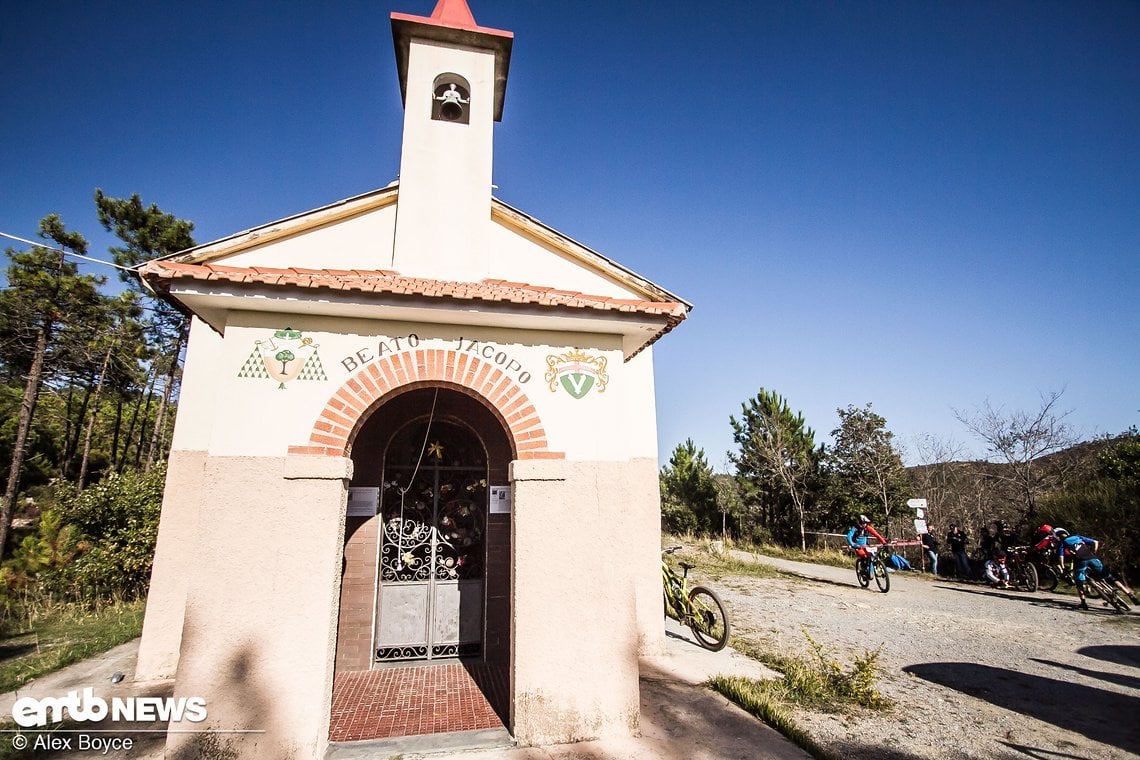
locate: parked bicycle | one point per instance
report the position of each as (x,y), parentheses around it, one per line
(1022,571)
(874,565)
(698,607)
(1049,572)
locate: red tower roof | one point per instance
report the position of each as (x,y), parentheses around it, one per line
(454,13)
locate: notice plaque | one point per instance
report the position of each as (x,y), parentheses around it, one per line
(500,500)
(363,501)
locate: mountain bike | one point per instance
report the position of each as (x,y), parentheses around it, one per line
(874,565)
(1022,571)
(1108,593)
(1049,573)
(698,607)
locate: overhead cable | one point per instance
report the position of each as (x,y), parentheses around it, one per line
(68,253)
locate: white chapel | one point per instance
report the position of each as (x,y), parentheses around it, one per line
(415,454)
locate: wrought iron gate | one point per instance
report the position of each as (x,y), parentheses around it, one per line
(432,547)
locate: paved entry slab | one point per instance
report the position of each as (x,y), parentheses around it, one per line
(416,700)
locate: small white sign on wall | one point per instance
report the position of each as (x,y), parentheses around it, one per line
(363,501)
(500,500)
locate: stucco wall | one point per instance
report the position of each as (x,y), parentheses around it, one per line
(582,539)
(204,368)
(174,560)
(261,418)
(361,242)
(259,631)
(260,625)
(445,169)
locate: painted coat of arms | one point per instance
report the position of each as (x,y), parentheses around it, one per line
(287,355)
(577,373)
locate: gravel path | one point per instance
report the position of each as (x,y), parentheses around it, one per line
(974,672)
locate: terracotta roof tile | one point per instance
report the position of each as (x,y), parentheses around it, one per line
(162,273)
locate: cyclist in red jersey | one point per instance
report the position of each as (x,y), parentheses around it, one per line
(858,533)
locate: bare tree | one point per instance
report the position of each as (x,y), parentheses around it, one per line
(1021,441)
(934,478)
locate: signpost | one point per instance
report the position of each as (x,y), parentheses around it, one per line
(919,507)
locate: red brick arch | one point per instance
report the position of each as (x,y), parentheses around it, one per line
(346,409)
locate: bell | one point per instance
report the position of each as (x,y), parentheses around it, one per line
(451,111)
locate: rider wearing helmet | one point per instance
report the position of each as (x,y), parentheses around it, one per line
(1082,551)
(1046,539)
(857,536)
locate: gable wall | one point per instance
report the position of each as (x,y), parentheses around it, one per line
(361,242)
(365,242)
(231,407)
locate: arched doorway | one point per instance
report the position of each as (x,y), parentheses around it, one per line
(426,574)
(434,510)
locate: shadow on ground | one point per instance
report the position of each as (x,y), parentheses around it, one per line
(680,721)
(9,651)
(1121,654)
(1098,714)
(1130,682)
(869,748)
(817,579)
(1039,753)
(1028,598)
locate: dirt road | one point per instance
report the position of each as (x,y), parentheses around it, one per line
(974,672)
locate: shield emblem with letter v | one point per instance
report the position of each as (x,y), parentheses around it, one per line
(577,373)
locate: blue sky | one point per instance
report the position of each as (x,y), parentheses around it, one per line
(922,205)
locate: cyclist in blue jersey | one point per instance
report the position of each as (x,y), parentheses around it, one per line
(857,536)
(1081,551)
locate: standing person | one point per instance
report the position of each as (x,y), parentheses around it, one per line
(990,540)
(957,539)
(930,547)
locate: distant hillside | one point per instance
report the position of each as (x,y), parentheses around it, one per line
(975,493)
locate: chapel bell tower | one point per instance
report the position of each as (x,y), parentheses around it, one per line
(453,77)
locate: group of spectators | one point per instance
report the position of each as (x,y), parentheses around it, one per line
(1055,546)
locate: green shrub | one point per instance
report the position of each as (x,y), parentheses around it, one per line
(761,698)
(678,518)
(819,680)
(116,521)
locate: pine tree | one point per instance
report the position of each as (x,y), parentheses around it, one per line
(866,465)
(48,308)
(687,486)
(778,462)
(148,232)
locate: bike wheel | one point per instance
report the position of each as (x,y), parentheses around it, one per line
(709,622)
(1046,577)
(1027,577)
(882,579)
(1112,596)
(862,572)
